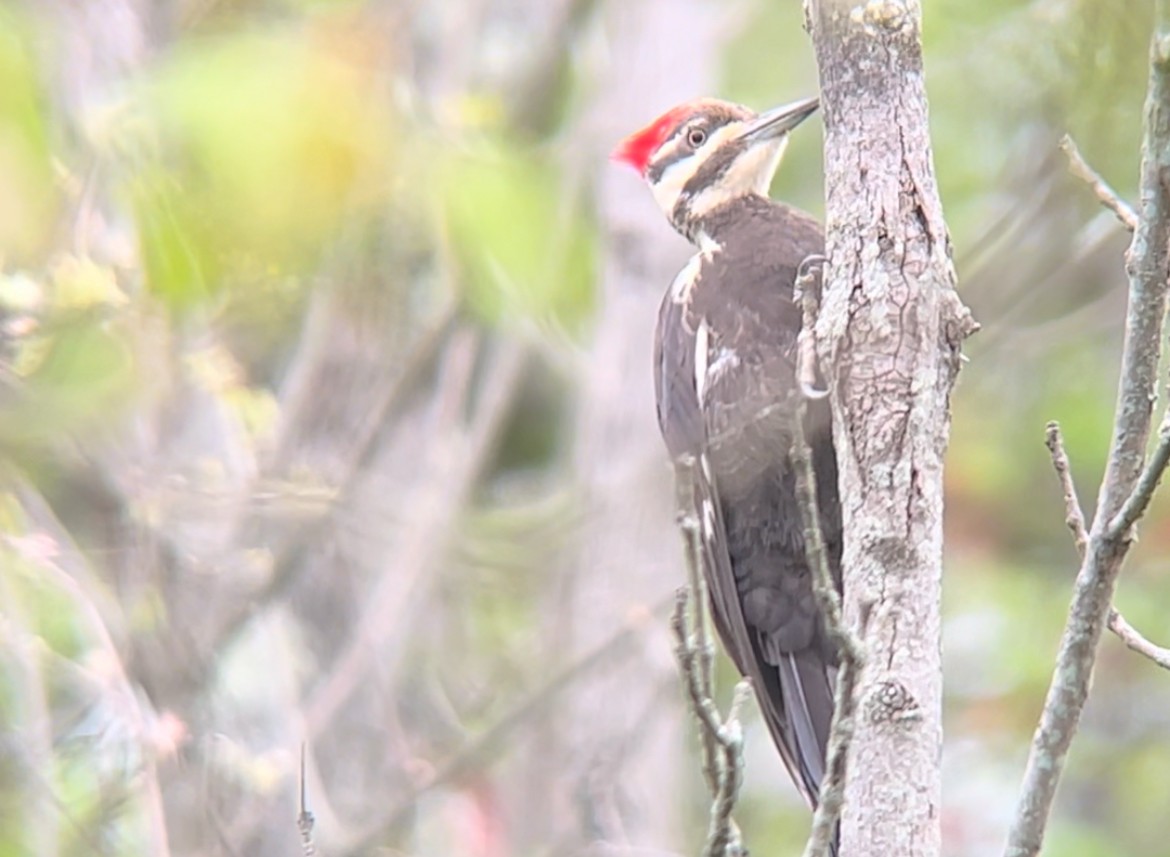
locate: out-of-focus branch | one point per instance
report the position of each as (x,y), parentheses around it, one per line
(533,103)
(480,748)
(459,447)
(1147,267)
(1106,195)
(386,617)
(287,561)
(304,817)
(68,574)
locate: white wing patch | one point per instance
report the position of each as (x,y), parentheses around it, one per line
(708,520)
(707,516)
(725,360)
(680,289)
(702,355)
(711,363)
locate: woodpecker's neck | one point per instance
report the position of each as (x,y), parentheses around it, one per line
(749,212)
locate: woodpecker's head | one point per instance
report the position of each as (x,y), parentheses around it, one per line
(705,153)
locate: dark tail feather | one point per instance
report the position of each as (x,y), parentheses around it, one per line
(808,700)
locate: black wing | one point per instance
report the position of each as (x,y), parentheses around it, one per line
(792,687)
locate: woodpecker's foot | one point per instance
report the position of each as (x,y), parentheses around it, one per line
(807,282)
(807,294)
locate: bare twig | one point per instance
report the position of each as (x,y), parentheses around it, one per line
(1107,196)
(694,650)
(1126,472)
(849,647)
(832,791)
(722,738)
(824,587)
(1137,502)
(1074,518)
(1133,638)
(723,837)
(304,817)
(832,796)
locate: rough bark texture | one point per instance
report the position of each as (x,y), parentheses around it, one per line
(889,335)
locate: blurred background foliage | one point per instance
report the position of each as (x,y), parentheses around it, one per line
(325,416)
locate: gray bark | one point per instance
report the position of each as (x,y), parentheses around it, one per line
(888,336)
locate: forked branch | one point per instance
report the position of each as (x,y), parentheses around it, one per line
(1075,519)
(1129,479)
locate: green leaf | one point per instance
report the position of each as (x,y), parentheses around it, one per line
(28,198)
(524,246)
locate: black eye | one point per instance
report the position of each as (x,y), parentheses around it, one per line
(696,137)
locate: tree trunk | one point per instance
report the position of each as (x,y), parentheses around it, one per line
(888,336)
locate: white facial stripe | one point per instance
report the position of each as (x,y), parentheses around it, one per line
(669,187)
(750,173)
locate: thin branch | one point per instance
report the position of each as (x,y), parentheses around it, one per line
(832,796)
(1133,638)
(1074,518)
(694,650)
(1137,502)
(701,703)
(1106,195)
(722,738)
(304,817)
(723,837)
(849,647)
(824,587)
(1146,266)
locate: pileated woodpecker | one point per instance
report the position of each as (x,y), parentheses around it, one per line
(724,368)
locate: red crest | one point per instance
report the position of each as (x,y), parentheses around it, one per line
(638,148)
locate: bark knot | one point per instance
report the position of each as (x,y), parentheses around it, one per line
(890,701)
(892,15)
